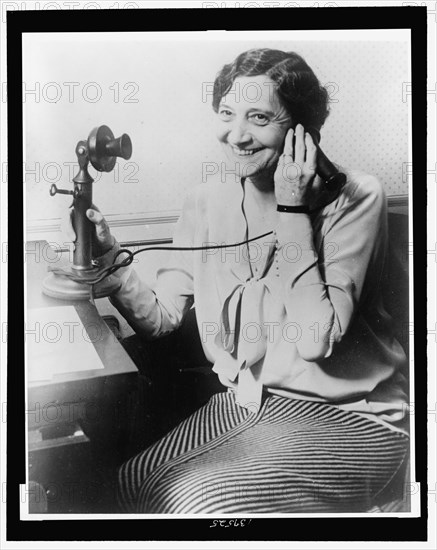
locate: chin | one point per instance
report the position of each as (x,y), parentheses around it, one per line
(249,173)
(243,170)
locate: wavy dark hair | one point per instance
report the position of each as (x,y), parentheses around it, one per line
(298,88)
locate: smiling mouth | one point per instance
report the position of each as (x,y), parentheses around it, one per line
(245,152)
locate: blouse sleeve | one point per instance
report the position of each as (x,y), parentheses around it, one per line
(154,312)
(321,297)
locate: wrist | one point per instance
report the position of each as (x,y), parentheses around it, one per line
(286,219)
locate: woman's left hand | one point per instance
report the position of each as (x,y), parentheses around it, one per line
(296,168)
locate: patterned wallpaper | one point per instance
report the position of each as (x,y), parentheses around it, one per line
(157,92)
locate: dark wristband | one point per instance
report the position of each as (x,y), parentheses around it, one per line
(303,209)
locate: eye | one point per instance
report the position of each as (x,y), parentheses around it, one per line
(225,114)
(260,119)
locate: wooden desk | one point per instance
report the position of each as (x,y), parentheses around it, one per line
(75,419)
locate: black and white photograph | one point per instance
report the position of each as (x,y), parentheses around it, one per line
(218,276)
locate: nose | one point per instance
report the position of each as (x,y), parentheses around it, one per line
(238,133)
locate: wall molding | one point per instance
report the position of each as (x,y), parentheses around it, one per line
(397,200)
(139,228)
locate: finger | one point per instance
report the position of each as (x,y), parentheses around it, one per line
(299,147)
(311,152)
(97,218)
(102,228)
(288,143)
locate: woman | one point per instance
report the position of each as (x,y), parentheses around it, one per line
(314,416)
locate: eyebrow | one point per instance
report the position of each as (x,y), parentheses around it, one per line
(264,111)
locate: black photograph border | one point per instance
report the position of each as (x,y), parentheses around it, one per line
(372,528)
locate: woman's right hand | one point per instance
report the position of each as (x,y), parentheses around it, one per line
(296,170)
(102,240)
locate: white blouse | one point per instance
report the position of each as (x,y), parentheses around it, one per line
(297,313)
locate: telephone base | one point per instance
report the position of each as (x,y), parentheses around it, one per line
(61,287)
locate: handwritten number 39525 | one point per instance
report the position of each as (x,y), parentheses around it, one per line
(230,522)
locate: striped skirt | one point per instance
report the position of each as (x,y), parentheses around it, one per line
(291,456)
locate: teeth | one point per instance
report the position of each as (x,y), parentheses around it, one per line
(245,152)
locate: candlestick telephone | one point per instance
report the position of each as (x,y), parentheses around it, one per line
(78,280)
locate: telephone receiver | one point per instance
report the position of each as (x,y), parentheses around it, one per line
(333,179)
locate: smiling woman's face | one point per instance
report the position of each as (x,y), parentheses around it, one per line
(251,125)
